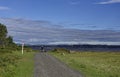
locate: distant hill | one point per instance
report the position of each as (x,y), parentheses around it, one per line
(86,47)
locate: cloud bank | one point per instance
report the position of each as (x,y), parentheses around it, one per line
(109,2)
(45,32)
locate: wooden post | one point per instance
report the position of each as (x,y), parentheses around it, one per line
(22,48)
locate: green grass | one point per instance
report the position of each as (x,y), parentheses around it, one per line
(14,64)
(25,66)
(93,64)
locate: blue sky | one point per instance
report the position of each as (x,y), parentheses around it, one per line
(67,14)
(100,13)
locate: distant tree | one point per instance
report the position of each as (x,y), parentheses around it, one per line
(4,38)
(3,31)
(9,40)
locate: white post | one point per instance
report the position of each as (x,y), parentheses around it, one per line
(22,48)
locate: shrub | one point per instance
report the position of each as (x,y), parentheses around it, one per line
(61,50)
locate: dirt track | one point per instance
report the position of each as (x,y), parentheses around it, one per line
(48,66)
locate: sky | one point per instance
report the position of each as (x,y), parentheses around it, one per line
(69,15)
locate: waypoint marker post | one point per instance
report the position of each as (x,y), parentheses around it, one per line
(22,48)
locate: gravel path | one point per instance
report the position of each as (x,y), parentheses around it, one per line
(48,66)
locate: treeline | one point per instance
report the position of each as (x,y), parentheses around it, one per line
(8,59)
(5,39)
(10,54)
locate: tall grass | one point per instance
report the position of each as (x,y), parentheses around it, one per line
(15,64)
(93,64)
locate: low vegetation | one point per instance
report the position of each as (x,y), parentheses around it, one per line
(92,64)
(12,62)
(16,64)
(25,66)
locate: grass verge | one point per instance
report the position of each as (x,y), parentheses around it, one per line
(15,64)
(93,64)
(25,65)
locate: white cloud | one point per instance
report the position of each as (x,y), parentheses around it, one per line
(64,42)
(109,2)
(74,2)
(4,8)
(34,32)
(84,42)
(100,43)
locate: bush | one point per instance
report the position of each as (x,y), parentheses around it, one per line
(8,63)
(61,50)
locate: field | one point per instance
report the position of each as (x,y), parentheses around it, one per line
(15,64)
(92,64)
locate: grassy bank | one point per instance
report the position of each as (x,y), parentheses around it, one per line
(93,64)
(14,64)
(25,65)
